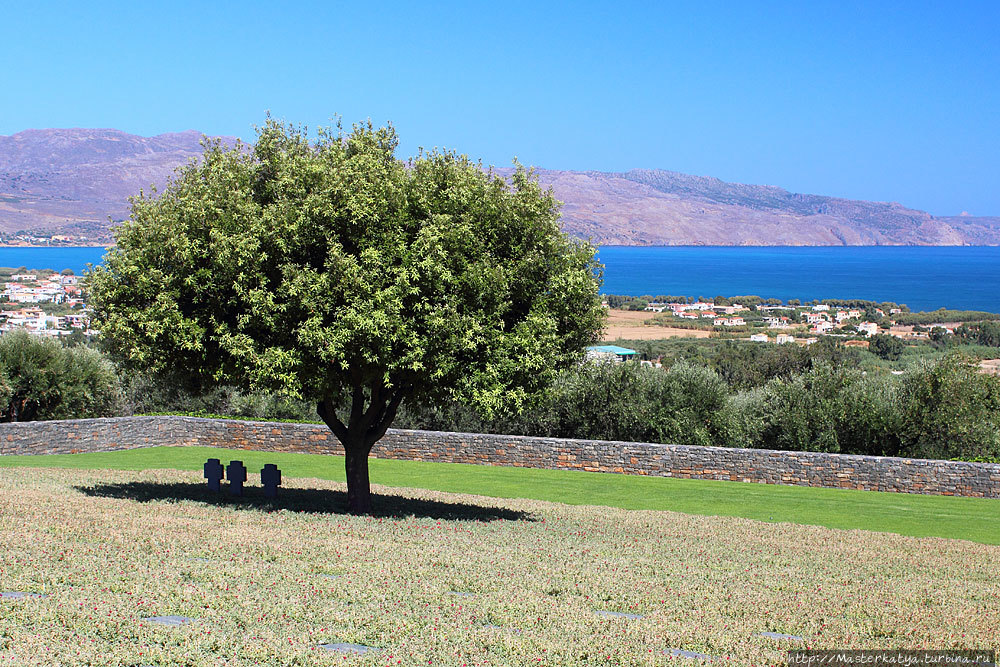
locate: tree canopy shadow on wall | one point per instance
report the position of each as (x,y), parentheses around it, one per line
(316,501)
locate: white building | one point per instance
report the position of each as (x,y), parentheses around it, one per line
(18,293)
(867,328)
(701,305)
(759,338)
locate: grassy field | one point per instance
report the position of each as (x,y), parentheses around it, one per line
(906,514)
(110,548)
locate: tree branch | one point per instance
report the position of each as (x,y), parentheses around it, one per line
(375,406)
(385,418)
(328,414)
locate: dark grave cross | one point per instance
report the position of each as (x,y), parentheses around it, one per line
(213,473)
(270,478)
(236,473)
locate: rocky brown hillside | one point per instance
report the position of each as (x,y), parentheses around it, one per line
(78,181)
(654,207)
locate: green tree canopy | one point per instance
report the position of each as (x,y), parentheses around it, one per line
(886,347)
(334,272)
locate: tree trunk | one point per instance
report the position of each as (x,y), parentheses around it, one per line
(358,436)
(359,492)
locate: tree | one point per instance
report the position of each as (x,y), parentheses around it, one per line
(886,347)
(334,272)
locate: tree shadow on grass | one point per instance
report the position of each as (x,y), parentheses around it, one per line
(316,501)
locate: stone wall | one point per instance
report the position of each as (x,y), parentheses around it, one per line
(744,465)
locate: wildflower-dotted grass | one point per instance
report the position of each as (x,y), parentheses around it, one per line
(111,548)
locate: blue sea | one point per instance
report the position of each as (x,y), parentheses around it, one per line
(56,259)
(924,278)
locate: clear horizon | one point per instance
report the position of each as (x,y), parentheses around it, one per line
(897,102)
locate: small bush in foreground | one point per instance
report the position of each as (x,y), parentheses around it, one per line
(40,379)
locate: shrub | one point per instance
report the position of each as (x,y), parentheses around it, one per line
(148,395)
(803,413)
(747,366)
(43,380)
(951,410)
(886,347)
(871,416)
(691,399)
(742,419)
(606,402)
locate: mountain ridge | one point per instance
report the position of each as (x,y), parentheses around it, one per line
(77,182)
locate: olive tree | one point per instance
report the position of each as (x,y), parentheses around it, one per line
(332,271)
(41,379)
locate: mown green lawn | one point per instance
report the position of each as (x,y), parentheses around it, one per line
(973,519)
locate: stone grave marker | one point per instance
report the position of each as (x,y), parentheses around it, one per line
(331,576)
(20,595)
(172,621)
(618,614)
(270,478)
(347,648)
(684,653)
(494,626)
(236,473)
(213,473)
(781,635)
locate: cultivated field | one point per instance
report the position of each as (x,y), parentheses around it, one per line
(111,548)
(990,366)
(631,325)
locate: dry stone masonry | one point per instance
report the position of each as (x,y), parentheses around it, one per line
(764,466)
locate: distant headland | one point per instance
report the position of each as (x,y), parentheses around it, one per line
(69,186)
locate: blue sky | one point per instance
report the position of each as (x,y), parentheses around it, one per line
(870,100)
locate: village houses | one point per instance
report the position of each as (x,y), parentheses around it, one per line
(56,289)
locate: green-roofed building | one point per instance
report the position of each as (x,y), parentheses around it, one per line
(609,353)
